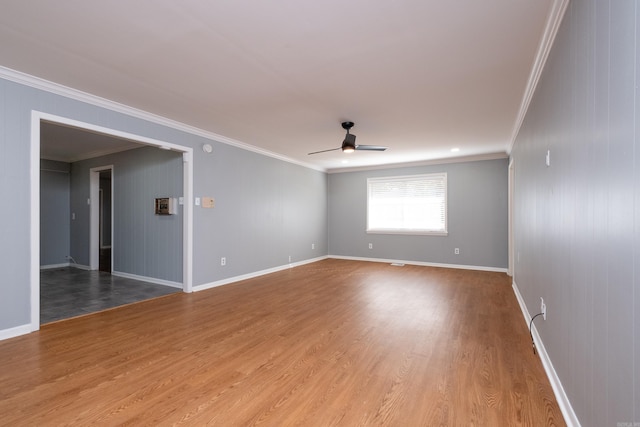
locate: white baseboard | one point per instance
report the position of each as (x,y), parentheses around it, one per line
(284,267)
(148,279)
(563,401)
(5,334)
(229,280)
(424,264)
(52,266)
(66,264)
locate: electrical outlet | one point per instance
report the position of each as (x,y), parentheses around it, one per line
(543,308)
(313,246)
(223,261)
(456,251)
(289,258)
(370,245)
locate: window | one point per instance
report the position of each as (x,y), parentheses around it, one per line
(414,204)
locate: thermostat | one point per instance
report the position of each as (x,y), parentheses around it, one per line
(166,206)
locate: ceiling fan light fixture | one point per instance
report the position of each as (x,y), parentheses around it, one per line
(349,143)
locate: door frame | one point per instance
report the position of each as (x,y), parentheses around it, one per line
(94,233)
(511,244)
(187,221)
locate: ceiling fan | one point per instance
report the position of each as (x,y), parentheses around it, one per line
(349,143)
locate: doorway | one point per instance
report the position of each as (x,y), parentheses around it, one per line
(105,223)
(101,202)
(37,118)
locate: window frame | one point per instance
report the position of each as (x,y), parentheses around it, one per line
(407,231)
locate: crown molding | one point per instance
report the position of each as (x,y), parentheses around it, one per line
(554,20)
(447,160)
(78,95)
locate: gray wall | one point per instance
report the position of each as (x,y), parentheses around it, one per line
(145,244)
(577,221)
(55,212)
(266,209)
(477,217)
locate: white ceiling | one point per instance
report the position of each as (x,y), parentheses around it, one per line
(419,76)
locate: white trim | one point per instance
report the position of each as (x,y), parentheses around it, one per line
(34,244)
(34,274)
(510,218)
(554,20)
(234,279)
(5,334)
(569,415)
(41,84)
(58,89)
(408,232)
(421,263)
(462,159)
(187,224)
(52,266)
(148,279)
(52,118)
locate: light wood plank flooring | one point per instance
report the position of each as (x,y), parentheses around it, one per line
(333,343)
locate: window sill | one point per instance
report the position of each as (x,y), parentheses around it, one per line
(409,232)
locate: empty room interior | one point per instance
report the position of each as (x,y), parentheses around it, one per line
(318,213)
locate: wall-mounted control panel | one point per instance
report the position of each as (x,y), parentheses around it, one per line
(166,206)
(208,202)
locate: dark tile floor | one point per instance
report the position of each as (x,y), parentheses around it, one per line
(69,292)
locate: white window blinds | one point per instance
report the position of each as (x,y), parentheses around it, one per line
(414,204)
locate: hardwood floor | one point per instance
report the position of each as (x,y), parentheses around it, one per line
(333,343)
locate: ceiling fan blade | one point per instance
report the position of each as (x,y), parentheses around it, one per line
(349,143)
(371,147)
(324,151)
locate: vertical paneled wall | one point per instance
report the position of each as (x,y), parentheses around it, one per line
(266,209)
(55,215)
(577,220)
(477,217)
(15,233)
(144,244)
